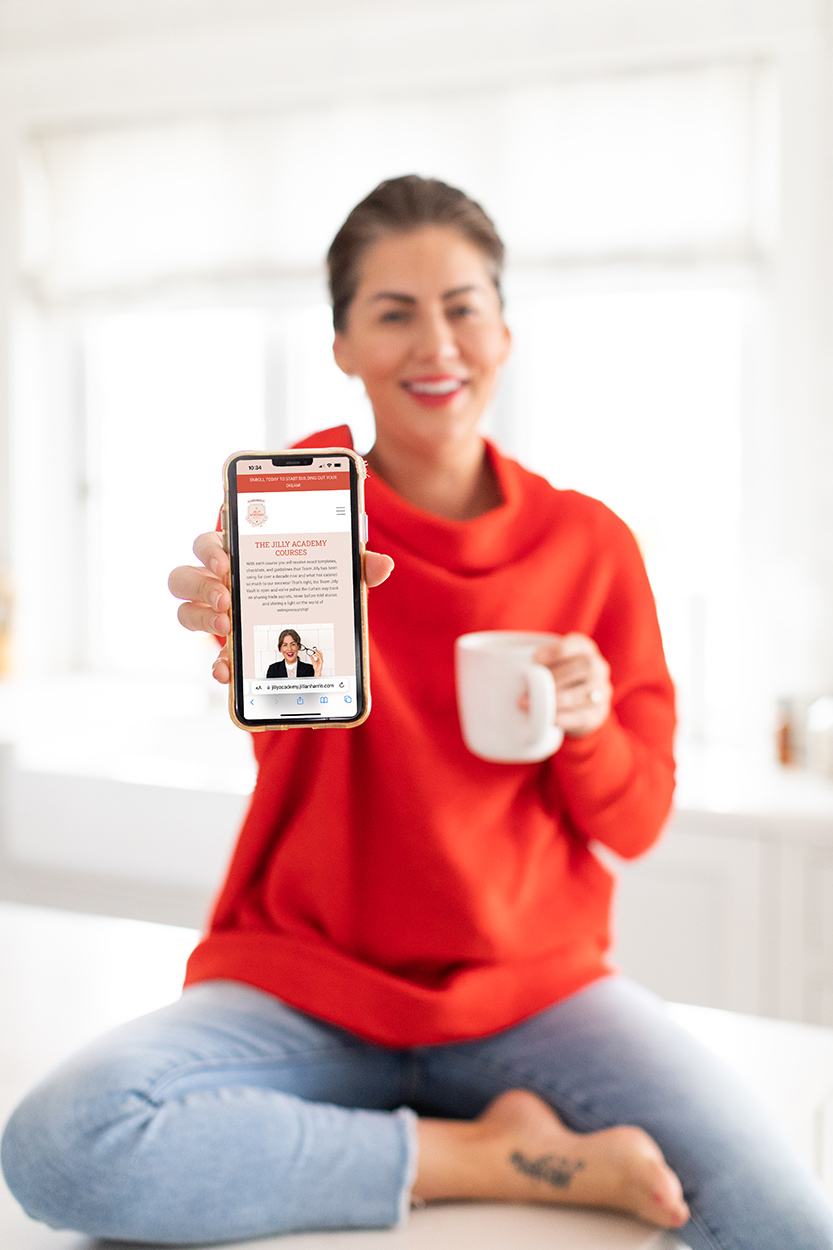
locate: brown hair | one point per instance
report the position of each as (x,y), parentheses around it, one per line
(398,206)
(288,633)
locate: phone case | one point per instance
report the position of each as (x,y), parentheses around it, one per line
(361,474)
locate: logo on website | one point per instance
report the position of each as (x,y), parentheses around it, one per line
(256,512)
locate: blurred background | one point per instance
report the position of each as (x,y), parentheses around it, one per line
(171,174)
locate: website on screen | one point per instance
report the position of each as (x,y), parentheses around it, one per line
(298,617)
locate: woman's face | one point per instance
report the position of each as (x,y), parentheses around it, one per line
(425,333)
(289,648)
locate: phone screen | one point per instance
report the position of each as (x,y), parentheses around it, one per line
(294,532)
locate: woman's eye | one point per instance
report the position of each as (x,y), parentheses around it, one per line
(394,314)
(462,310)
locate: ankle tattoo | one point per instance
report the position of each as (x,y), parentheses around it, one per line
(553,1170)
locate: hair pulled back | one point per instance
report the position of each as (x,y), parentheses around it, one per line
(398,206)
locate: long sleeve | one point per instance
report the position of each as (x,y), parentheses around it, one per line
(617,783)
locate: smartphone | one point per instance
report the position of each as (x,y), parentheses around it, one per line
(295,529)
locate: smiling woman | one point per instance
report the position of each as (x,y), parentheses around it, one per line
(428,347)
(406,969)
(418,315)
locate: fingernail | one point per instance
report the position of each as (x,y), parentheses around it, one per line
(216,598)
(214,565)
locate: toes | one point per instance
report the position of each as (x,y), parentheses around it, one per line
(659,1192)
(670,1201)
(665,1205)
(650,1189)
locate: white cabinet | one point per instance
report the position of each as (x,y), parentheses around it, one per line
(733,911)
(689,918)
(98,844)
(805,883)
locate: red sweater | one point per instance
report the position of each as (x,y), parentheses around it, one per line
(389,881)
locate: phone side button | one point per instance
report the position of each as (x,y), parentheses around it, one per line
(364,527)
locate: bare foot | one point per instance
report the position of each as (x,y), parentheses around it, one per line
(518,1150)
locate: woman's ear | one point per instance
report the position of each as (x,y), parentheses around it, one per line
(507,343)
(343,355)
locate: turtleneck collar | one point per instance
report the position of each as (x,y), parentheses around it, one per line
(503,534)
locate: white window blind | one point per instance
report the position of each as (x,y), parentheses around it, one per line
(642,163)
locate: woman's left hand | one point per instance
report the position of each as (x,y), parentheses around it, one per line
(583,692)
(317,660)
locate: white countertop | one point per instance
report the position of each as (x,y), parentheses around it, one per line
(748,783)
(165,733)
(160,733)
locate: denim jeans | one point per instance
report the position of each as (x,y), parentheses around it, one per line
(229,1115)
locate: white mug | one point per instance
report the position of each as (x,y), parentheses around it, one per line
(494,669)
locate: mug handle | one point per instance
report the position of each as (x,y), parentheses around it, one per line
(541,685)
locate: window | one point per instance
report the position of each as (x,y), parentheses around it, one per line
(635,396)
(176,304)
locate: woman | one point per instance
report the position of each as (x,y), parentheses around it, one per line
(403,995)
(289,645)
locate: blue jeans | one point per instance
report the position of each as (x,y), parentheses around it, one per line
(229,1115)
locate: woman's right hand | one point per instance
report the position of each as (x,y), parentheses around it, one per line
(206,594)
